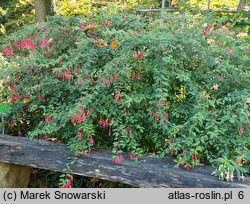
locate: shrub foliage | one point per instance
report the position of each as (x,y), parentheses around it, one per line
(176,86)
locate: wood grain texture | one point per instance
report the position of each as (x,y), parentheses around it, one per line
(150,172)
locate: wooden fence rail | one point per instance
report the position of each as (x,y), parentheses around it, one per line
(149,172)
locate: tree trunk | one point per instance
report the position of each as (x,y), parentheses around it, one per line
(241,5)
(43,8)
(40,11)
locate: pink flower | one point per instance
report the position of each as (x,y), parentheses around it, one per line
(241,130)
(229,52)
(102,80)
(133,75)
(79,136)
(8,52)
(249,125)
(20,133)
(116,96)
(209,27)
(28,44)
(131,156)
(13,88)
(204,32)
(91,141)
(139,77)
(91,79)
(47,119)
(67,74)
(158,116)
(150,112)
(83,117)
(121,101)
(187,168)
(44,42)
(138,55)
(166,116)
(194,157)
(118,159)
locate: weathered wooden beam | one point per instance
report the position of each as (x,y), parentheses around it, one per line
(150,172)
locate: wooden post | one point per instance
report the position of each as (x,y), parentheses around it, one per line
(163,4)
(14,176)
(208,5)
(241,5)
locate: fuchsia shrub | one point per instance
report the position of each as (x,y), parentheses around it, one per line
(176,87)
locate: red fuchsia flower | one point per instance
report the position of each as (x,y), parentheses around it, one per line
(139,77)
(241,130)
(133,75)
(102,80)
(137,31)
(71,178)
(150,112)
(83,117)
(8,52)
(88,112)
(204,32)
(138,55)
(47,119)
(229,52)
(91,141)
(67,74)
(13,88)
(68,184)
(116,96)
(121,101)
(28,44)
(187,168)
(110,79)
(194,157)
(248,125)
(18,45)
(209,27)
(118,159)
(91,79)
(166,116)
(44,42)
(79,136)
(14,98)
(131,156)
(158,116)
(163,123)
(81,26)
